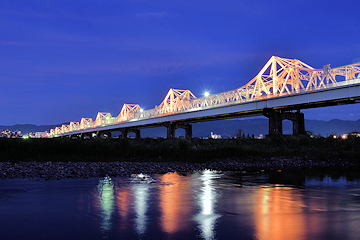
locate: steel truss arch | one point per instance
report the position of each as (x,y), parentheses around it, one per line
(279,77)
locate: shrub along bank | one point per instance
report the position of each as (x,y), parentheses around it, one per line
(182,150)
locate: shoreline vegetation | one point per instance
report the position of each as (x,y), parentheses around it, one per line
(75,158)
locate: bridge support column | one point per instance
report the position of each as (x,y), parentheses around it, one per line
(124,132)
(298,121)
(187,127)
(98,134)
(171,127)
(136,131)
(275,121)
(170,130)
(188,131)
(277,116)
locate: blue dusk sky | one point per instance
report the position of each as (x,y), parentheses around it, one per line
(64,60)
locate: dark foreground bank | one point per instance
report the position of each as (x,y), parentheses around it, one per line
(181,150)
(72,158)
(58,170)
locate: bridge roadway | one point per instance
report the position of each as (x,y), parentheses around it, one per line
(275,108)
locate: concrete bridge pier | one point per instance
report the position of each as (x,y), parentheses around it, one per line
(275,121)
(188,131)
(171,127)
(136,131)
(298,121)
(125,131)
(170,130)
(276,117)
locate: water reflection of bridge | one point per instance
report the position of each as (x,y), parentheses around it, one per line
(214,205)
(132,203)
(174,203)
(279,91)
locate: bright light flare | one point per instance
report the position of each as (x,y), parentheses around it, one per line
(206,94)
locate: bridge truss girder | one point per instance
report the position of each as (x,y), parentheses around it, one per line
(74,126)
(175,100)
(85,123)
(127,112)
(103,118)
(279,77)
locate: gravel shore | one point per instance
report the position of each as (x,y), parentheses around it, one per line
(59,170)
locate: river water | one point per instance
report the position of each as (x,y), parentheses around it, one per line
(201,205)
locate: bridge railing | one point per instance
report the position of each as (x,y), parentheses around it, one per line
(231,97)
(212,101)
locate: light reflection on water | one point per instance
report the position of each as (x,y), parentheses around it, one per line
(278,212)
(123,201)
(202,205)
(174,196)
(106,199)
(141,193)
(206,199)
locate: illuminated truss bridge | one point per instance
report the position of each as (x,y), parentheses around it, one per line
(280,77)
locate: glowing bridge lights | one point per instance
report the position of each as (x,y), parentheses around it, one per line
(279,77)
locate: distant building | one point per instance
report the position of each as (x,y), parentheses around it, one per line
(16,134)
(36,135)
(9,134)
(29,135)
(346,135)
(215,136)
(6,133)
(261,136)
(40,134)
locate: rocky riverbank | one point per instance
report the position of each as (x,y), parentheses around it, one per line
(59,170)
